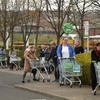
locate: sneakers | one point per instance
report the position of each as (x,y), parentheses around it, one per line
(61,83)
(34,79)
(23,81)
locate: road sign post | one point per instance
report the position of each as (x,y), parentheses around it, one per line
(86,32)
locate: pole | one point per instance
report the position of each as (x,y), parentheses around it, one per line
(88,43)
(86,26)
(27,44)
(7,42)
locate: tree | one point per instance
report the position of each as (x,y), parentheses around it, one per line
(56,14)
(3,21)
(26,16)
(38,9)
(13,18)
(79,10)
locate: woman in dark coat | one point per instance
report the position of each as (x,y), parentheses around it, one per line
(95,56)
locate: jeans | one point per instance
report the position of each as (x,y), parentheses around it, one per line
(61,79)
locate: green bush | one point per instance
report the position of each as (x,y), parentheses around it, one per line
(85,59)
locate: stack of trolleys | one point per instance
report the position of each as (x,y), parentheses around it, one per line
(70,69)
(36,64)
(97,71)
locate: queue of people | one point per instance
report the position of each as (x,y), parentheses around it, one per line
(55,52)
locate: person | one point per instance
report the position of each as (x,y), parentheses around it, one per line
(95,56)
(42,56)
(54,57)
(47,52)
(78,48)
(12,54)
(2,51)
(29,54)
(64,50)
(3,55)
(42,51)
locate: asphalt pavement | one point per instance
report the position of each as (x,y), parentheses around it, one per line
(52,89)
(9,92)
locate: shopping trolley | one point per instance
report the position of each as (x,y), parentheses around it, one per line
(36,64)
(51,65)
(16,62)
(71,68)
(3,59)
(45,65)
(97,72)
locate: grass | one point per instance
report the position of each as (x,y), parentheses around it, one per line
(41,38)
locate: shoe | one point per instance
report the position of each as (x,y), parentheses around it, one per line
(23,81)
(62,83)
(35,79)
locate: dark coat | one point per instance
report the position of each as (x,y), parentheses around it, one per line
(79,49)
(42,52)
(96,58)
(53,54)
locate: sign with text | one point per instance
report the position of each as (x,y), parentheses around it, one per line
(86,26)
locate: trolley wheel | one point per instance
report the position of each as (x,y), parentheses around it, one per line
(48,80)
(71,85)
(80,85)
(28,80)
(20,69)
(94,92)
(60,84)
(43,80)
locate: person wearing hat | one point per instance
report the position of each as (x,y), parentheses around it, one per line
(64,50)
(95,56)
(29,54)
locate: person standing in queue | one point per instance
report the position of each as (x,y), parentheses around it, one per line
(64,50)
(78,48)
(29,54)
(53,56)
(95,56)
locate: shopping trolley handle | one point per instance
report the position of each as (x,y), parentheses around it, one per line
(71,58)
(93,61)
